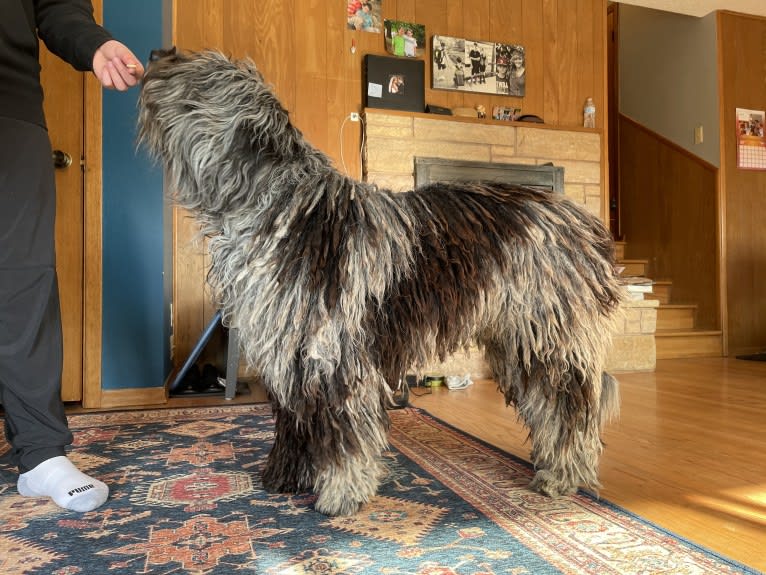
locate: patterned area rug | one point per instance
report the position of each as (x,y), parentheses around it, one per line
(186,498)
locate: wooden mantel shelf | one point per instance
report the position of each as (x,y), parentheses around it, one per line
(469,120)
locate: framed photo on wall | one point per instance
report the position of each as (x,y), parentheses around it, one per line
(394,83)
(477,66)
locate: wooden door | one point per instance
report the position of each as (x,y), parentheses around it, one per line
(613,113)
(64,96)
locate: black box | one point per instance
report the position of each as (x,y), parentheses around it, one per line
(431,109)
(394,83)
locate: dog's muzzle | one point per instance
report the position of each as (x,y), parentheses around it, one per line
(161,53)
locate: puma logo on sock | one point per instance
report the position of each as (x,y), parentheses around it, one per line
(81,489)
(59,479)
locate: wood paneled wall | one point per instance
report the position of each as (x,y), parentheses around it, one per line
(742,58)
(304,50)
(669,215)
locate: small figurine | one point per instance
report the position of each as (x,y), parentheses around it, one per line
(481,112)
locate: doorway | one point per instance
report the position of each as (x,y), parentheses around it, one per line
(613,114)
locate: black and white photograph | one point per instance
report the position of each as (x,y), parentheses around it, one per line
(477,66)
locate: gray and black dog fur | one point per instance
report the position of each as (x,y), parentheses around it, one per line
(338,288)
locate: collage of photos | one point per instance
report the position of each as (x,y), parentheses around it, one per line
(478,66)
(456,63)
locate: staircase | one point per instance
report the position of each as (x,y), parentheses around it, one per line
(677,335)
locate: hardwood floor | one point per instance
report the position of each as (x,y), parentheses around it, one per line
(688,452)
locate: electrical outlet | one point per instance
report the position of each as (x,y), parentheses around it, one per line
(354,117)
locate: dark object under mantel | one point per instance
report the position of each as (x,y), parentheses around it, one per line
(546,176)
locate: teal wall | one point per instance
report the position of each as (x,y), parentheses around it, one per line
(136,243)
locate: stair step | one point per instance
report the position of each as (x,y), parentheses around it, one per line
(619,250)
(661,290)
(676,316)
(675,344)
(634,267)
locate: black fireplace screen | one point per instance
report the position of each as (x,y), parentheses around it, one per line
(545,176)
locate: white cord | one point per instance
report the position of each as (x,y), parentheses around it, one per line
(361,146)
(361,149)
(340,133)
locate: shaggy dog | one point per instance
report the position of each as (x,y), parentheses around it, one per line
(338,288)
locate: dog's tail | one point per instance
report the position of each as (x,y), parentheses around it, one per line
(610,398)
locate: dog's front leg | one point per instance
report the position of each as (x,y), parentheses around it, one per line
(289,467)
(344,487)
(347,446)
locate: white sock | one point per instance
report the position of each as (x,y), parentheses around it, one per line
(60,480)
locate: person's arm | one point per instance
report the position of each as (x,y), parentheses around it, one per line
(68,29)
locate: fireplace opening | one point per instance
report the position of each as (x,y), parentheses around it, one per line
(544,176)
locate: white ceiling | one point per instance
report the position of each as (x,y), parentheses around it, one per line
(702,7)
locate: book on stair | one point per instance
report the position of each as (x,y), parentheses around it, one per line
(637,286)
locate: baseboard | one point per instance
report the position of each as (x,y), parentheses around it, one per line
(133,397)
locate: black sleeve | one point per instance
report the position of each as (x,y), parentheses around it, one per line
(68,29)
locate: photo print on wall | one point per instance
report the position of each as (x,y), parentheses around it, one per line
(477,66)
(404,39)
(364,15)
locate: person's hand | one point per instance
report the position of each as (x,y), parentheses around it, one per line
(116,67)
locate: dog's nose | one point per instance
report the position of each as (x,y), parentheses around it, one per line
(158,54)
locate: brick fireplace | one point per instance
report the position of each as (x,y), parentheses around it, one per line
(394,140)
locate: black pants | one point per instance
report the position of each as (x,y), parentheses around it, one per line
(30,321)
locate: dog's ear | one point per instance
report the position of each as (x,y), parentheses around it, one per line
(155,55)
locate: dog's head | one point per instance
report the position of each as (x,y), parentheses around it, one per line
(188,95)
(208,118)
(173,70)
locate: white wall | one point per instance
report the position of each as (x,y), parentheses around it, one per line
(668,76)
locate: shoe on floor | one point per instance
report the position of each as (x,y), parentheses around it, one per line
(456,382)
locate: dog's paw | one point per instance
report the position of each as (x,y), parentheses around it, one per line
(548,484)
(334,507)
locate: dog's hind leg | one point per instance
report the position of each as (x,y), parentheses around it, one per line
(563,418)
(564,458)
(567,443)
